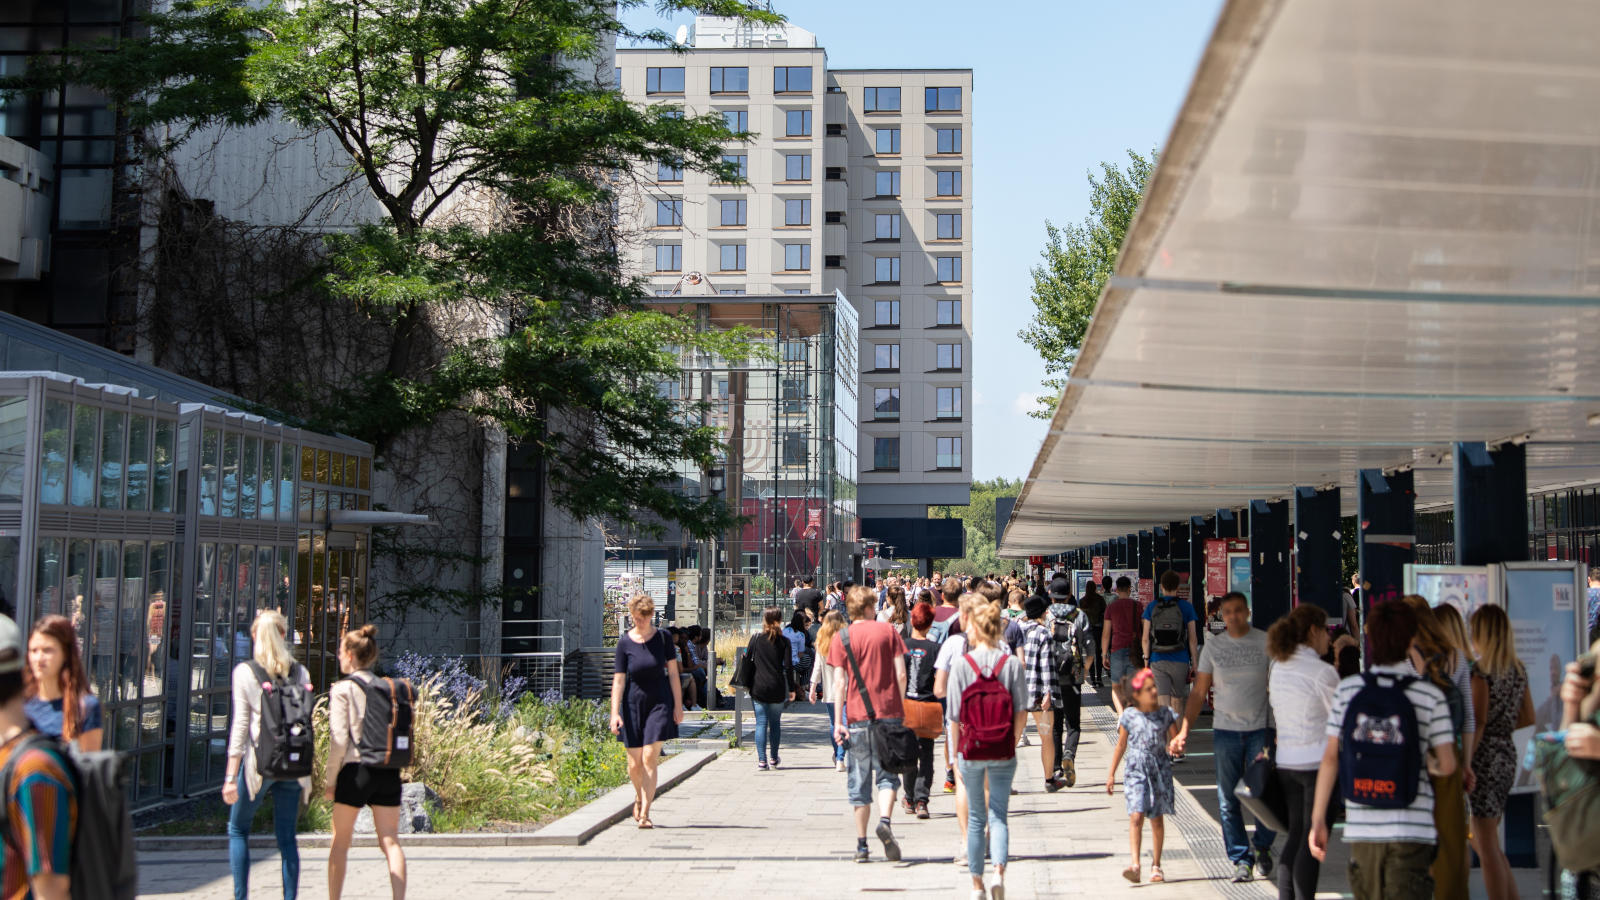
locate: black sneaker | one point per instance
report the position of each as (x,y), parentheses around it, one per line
(891,848)
(1264,862)
(862,854)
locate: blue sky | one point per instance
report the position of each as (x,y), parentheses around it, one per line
(1059,86)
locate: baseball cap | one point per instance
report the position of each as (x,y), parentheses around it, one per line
(1060,589)
(13,652)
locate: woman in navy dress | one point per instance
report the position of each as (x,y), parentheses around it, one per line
(646,700)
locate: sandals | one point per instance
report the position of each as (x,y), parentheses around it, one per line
(1155,875)
(645,824)
(1131,873)
(636,804)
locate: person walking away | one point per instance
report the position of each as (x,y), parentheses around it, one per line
(986,701)
(1300,686)
(56,682)
(1501,703)
(1120,637)
(1073,636)
(799,647)
(808,597)
(41,799)
(772,686)
(1093,604)
(944,615)
(356,775)
(646,703)
(1044,692)
(1014,604)
(872,660)
(243,785)
(1434,656)
(921,653)
(895,612)
(1234,663)
(1579,696)
(1146,731)
(950,651)
(824,679)
(1170,643)
(1388,798)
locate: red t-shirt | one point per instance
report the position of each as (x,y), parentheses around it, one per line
(941,613)
(1122,617)
(876,645)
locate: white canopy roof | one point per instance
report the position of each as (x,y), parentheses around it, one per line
(1374,231)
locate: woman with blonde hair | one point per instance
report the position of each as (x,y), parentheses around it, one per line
(243,785)
(1434,656)
(350,783)
(646,700)
(1455,629)
(822,678)
(1502,703)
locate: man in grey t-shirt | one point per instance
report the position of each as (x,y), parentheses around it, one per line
(1235,664)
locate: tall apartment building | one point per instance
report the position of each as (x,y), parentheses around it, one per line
(857,181)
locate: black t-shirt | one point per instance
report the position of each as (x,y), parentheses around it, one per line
(921,654)
(809,598)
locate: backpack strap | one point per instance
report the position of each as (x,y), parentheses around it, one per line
(855,670)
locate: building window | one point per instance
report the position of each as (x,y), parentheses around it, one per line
(666,172)
(887,141)
(669,213)
(886,184)
(886,454)
(887,226)
(665,292)
(886,313)
(886,357)
(739,162)
(942,99)
(948,268)
(947,403)
(835,173)
(793,80)
(663,81)
(947,312)
(948,184)
(669,390)
(886,403)
(731,292)
(669,257)
(833,262)
(797,212)
(794,351)
(881,99)
(794,448)
(947,140)
(886,270)
(949,226)
(670,113)
(797,167)
(730,80)
(737,120)
(947,453)
(733,257)
(733,213)
(948,356)
(794,396)
(796,257)
(797,123)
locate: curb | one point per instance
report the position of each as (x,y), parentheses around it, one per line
(573,829)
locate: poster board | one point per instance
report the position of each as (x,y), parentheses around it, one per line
(1465,587)
(1114,574)
(1547,617)
(1239,574)
(1080,581)
(1216,576)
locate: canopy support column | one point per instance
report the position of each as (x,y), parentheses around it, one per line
(1269,561)
(1386,514)
(1316,525)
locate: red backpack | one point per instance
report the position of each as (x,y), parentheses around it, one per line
(986,716)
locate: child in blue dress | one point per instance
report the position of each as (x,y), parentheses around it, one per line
(1145,734)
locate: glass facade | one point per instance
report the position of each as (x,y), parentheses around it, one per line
(161,530)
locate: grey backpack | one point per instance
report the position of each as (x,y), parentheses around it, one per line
(1166,626)
(103,865)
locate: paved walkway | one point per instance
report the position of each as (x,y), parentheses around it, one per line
(733,831)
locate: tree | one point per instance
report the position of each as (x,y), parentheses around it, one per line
(978,522)
(1077,261)
(496,150)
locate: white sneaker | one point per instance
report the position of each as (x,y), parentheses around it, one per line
(839,766)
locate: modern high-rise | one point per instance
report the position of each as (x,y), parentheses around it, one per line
(856,181)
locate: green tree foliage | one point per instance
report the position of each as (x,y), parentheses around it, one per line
(434,103)
(978,522)
(1077,261)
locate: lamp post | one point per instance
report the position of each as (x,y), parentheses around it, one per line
(716,484)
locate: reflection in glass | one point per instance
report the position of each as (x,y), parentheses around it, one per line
(112,434)
(286,483)
(269,480)
(47,578)
(322,467)
(336,472)
(223,640)
(210,469)
(13,446)
(166,454)
(366,473)
(138,476)
(230,476)
(77,583)
(159,620)
(308,465)
(103,617)
(264,593)
(130,633)
(53,458)
(85,433)
(350,471)
(205,583)
(250,478)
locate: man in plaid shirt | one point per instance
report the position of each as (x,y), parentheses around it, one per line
(1044,691)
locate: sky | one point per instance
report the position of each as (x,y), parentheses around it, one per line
(1058,87)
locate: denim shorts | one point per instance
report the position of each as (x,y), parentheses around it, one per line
(861,766)
(1121,664)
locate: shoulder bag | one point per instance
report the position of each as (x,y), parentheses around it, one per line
(894,746)
(1571,789)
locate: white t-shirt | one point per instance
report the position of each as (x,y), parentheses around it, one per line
(1238,670)
(1415,822)
(950,651)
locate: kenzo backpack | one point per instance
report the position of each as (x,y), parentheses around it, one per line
(1380,747)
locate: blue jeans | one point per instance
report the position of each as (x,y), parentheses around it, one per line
(769,718)
(833,716)
(1121,664)
(991,814)
(1234,751)
(285,811)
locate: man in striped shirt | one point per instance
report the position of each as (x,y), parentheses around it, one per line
(1391,849)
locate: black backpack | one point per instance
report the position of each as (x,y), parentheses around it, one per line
(1069,665)
(1166,626)
(103,863)
(287,745)
(1380,745)
(385,741)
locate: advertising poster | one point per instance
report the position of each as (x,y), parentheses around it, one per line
(1464,587)
(1239,574)
(1144,591)
(1098,567)
(1131,574)
(1080,581)
(1216,567)
(1545,617)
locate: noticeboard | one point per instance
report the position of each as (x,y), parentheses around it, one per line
(1542,599)
(1080,581)
(1464,587)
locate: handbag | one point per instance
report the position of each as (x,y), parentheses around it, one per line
(925,718)
(894,746)
(1260,792)
(744,672)
(1571,789)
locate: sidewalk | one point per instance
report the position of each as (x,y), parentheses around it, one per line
(734,831)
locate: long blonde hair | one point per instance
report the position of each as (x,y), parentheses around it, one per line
(831,623)
(1491,635)
(1449,618)
(983,624)
(270,633)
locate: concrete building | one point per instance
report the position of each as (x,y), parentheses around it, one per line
(856,181)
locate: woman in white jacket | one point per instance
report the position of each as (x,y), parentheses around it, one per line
(244,786)
(1300,687)
(822,676)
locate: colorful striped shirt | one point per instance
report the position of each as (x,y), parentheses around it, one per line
(42,814)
